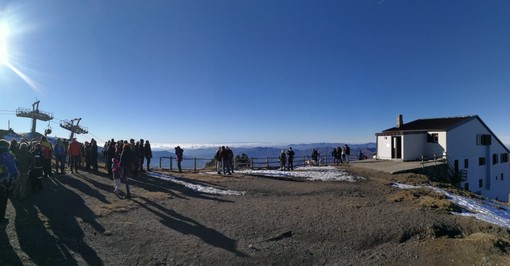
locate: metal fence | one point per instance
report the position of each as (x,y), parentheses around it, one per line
(196,164)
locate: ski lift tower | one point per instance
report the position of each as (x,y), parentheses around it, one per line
(35,114)
(75,129)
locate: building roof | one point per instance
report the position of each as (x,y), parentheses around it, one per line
(432,124)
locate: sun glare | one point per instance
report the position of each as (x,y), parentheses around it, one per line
(4,37)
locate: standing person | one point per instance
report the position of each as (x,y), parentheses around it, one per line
(93,154)
(110,154)
(334,155)
(46,152)
(230,160)
(223,158)
(339,154)
(74,154)
(36,169)
(218,159)
(179,154)
(347,152)
(23,158)
(315,156)
(117,170)
(148,154)
(283,160)
(290,159)
(126,162)
(136,151)
(8,173)
(60,156)
(87,155)
(141,154)
(14,147)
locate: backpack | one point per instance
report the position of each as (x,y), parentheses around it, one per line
(45,153)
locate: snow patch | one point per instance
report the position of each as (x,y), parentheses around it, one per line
(312,173)
(482,209)
(196,187)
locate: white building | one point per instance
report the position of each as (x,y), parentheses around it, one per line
(470,148)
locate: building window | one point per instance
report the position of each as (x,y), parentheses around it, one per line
(481,161)
(466,163)
(494,158)
(504,157)
(480,182)
(483,139)
(433,138)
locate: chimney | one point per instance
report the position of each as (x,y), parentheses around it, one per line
(400,121)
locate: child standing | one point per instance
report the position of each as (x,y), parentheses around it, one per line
(116,174)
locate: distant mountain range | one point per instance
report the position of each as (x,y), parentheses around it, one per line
(273,151)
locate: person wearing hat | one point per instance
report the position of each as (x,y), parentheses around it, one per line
(8,173)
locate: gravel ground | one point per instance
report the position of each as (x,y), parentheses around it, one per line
(77,220)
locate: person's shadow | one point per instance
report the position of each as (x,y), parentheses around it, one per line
(7,254)
(188,226)
(48,227)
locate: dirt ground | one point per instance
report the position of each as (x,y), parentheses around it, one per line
(77,220)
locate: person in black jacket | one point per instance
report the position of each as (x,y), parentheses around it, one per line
(290,159)
(148,154)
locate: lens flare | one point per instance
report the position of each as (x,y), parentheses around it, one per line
(4,51)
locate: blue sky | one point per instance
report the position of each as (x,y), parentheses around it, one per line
(254,71)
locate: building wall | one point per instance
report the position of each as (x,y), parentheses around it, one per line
(491,179)
(438,148)
(384,147)
(413,146)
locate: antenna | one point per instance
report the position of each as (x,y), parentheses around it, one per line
(35,114)
(75,129)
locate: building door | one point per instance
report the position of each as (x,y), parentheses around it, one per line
(396,144)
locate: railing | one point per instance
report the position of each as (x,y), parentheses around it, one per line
(187,164)
(196,164)
(274,162)
(455,174)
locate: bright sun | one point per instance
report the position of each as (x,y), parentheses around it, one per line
(4,51)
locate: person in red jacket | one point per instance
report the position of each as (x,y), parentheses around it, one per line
(74,153)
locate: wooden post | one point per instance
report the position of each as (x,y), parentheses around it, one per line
(267,162)
(195,164)
(160,163)
(171,164)
(251,166)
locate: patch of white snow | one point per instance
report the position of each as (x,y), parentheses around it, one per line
(482,209)
(196,187)
(312,173)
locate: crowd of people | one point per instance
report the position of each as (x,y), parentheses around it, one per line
(25,164)
(341,154)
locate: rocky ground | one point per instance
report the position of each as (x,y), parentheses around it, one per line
(77,220)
